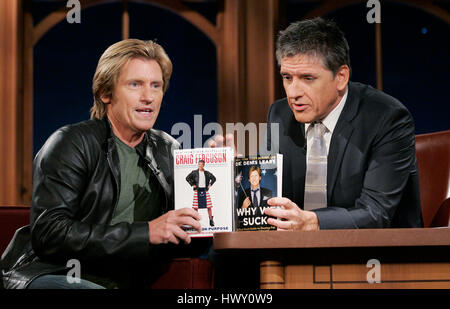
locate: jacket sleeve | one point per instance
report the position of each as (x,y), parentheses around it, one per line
(190,178)
(212,179)
(61,223)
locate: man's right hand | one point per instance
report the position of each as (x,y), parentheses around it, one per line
(227,141)
(221,141)
(167,228)
(246,202)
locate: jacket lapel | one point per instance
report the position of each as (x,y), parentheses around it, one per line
(338,145)
(340,138)
(153,165)
(296,133)
(296,130)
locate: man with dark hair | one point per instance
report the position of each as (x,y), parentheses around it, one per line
(201,181)
(348,149)
(103,188)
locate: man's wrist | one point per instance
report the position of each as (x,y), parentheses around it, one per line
(312,222)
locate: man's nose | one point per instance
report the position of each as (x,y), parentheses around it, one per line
(147,94)
(294,90)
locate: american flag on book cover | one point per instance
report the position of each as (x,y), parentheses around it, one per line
(202,199)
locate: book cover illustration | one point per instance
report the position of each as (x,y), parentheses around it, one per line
(203,180)
(257,179)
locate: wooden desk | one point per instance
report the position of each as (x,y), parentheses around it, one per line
(333,259)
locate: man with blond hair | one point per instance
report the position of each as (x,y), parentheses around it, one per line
(103,188)
(255,195)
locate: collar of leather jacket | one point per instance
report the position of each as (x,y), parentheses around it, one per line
(156,149)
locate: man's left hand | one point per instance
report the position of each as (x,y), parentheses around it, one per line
(289,216)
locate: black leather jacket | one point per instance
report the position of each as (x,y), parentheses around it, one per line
(193,178)
(76,183)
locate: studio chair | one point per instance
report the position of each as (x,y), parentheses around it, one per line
(433,159)
(11,218)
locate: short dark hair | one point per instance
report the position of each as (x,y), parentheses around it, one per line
(315,37)
(201,161)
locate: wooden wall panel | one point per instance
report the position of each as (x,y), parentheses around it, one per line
(307,277)
(247,72)
(393,272)
(246,60)
(260,18)
(9,111)
(231,62)
(244,36)
(26,104)
(272,275)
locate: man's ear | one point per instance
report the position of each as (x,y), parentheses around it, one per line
(342,77)
(105,98)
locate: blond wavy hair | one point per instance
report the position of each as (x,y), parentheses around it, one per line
(111,63)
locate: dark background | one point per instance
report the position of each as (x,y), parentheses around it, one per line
(415,60)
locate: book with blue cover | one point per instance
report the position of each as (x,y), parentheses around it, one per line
(257,179)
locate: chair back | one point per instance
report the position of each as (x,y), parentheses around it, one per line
(433,160)
(11,218)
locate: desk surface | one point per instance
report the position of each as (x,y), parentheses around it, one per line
(332,239)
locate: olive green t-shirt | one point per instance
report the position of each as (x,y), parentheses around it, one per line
(140,192)
(140,199)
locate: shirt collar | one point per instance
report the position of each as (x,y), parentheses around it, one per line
(331,119)
(142,146)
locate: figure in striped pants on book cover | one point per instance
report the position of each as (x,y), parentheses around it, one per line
(201,180)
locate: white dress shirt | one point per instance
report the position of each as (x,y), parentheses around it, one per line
(329,122)
(201,179)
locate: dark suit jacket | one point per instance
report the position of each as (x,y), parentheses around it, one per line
(265,194)
(193,178)
(372,177)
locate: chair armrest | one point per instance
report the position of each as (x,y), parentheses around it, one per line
(442,217)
